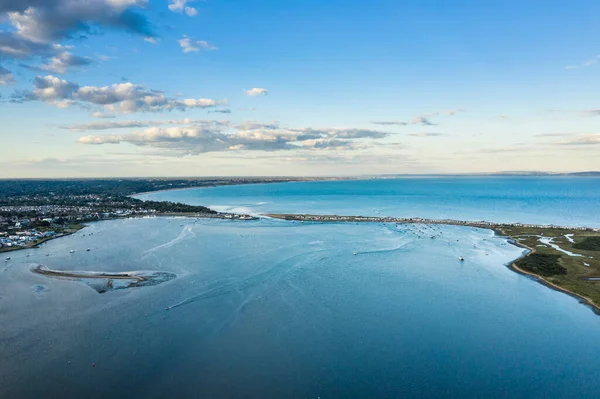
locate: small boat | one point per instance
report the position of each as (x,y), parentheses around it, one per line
(47,254)
(7,258)
(88,250)
(460,258)
(356,253)
(72,251)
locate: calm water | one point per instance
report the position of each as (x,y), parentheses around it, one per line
(544,200)
(276,309)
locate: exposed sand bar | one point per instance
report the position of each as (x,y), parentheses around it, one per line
(103,282)
(41,269)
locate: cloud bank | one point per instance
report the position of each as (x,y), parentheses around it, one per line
(117,98)
(213,138)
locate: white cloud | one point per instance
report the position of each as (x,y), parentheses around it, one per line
(102,115)
(117,98)
(587,63)
(584,139)
(49,20)
(191,11)
(180,6)
(152,40)
(64,61)
(212,137)
(257,91)
(188,45)
(6,77)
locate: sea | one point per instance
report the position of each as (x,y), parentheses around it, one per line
(276,309)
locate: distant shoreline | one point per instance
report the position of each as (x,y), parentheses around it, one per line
(249,182)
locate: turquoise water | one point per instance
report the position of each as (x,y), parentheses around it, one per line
(544,200)
(275,309)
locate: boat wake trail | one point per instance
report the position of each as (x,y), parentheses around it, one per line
(185,233)
(273,273)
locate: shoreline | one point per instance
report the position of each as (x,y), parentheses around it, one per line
(191,215)
(43,270)
(513,266)
(495,227)
(249,182)
(37,244)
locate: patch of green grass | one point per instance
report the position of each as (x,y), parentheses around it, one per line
(543,264)
(588,244)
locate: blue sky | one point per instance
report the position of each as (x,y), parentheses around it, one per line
(192,88)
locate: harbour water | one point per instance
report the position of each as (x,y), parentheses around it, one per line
(270,308)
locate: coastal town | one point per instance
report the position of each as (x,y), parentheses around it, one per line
(32,212)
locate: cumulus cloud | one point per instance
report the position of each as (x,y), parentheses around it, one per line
(188,45)
(43,21)
(117,98)
(191,11)
(211,138)
(38,25)
(152,40)
(180,6)
(63,62)
(6,77)
(257,91)
(13,46)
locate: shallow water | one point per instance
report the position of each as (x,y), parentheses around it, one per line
(274,309)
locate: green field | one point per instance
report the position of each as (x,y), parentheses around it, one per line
(566,271)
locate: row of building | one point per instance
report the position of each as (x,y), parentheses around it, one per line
(23,238)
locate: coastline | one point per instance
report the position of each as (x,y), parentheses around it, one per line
(513,266)
(191,215)
(43,240)
(248,182)
(497,228)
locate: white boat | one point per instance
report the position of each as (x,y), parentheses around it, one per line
(356,253)
(72,251)
(88,250)
(461,258)
(7,258)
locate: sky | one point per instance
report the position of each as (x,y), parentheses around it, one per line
(134,88)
